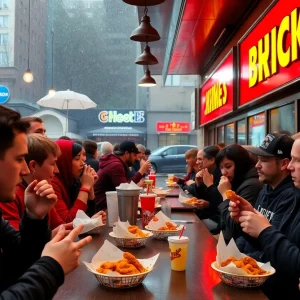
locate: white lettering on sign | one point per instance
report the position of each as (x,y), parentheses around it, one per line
(3,94)
(112,116)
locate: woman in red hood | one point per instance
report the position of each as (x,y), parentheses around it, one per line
(74,184)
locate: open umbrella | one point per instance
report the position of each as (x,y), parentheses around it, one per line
(67,100)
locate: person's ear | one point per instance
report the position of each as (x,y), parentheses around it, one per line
(284,164)
(32,166)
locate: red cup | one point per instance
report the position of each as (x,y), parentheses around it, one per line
(148,207)
(153,177)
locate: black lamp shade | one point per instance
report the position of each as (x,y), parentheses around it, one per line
(146,58)
(147,80)
(143,2)
(145,32)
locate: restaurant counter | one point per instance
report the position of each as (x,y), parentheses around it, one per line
(199,281)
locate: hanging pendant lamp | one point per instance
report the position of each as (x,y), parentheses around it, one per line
(146,58)
(145,32)
(147,80)
(142,3)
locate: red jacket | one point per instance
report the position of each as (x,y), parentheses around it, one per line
(14,211)
(112,172)
(62,183)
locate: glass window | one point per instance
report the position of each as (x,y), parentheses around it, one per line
(241,128)
(220,134)
(3,4)
(257,129)
(173,80)
(3,59)
(283,119)
(3,38)
(229,134)
(172,139)
(3,21)
(172,151)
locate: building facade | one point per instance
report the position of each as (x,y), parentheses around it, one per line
(14,44)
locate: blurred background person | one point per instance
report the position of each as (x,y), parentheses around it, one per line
(147,154)
(91,154)
(36,125)
(106,148)
(188,182)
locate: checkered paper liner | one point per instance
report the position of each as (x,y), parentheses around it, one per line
(241,281)
(131,242)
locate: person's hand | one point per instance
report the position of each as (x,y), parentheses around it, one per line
(87,177)
(198,178)
(102,214)
(201,204)
(68,228)
(208,178)
(175,179)
(39,199)
(253,223)
(186,191)
(141,183)
(94,173)
(223,186)
(64,250)
(235,208)
(145,167)
(189,182)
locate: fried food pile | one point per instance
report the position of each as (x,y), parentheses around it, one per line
(169,226)
(247,263)
(138,232)
(129,265)
(193,200)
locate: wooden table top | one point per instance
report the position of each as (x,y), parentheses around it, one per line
(199,281)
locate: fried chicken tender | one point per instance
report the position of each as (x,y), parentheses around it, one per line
(128,265)
(126,268)
(248,264)
(132,260)
(135,230)
(232,196)
(169,226)
(191,201)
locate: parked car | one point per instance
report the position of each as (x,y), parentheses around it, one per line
(170,159)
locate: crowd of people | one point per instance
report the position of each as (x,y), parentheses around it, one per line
(43,184)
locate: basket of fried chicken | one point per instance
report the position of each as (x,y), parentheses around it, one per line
(129,236)
(238,270)
(117,269)
(189,202)
(162,227)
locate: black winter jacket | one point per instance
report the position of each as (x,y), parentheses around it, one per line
(20,256)
(281,246)
(273,204)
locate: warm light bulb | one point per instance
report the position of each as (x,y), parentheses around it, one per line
(28,76)
(51,91)
(147,84)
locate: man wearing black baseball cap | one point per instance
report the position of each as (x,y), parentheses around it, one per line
(275,199)
(113,170)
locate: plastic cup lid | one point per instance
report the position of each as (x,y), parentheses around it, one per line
(147,196)
(177,240)
(111,193)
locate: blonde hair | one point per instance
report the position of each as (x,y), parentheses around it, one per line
(39,148)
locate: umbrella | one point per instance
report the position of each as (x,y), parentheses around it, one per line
(67,100)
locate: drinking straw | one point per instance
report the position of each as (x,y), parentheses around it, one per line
(181,231)
(148,188)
